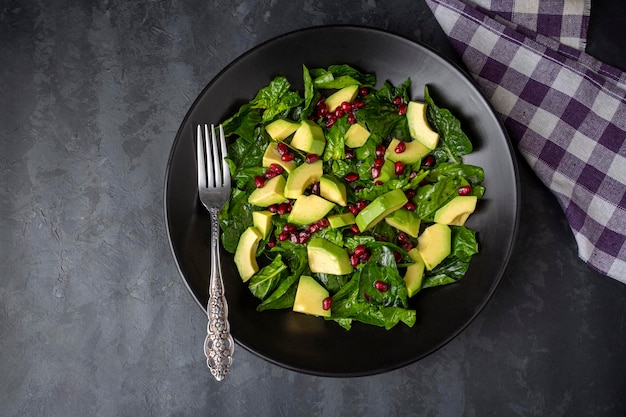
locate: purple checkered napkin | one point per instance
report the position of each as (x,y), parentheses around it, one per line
(565,110)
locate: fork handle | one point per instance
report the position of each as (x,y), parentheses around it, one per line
(218,345)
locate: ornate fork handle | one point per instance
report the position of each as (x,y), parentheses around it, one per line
(218,345)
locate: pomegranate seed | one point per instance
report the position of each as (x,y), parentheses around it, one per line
(346,106)
(273,208)
(378,183)
(358,188)
(407,246)
(269,174)
(321,102)
(381,286)
(311,157)
(398,168)
(282,209)
(465,190)
(410,206)
(288,207)
(259,181)
(409,193)
(361,204)
(397,256)
(327,303)
(323,223)
(379,162)
(322,111)
(351,177)
(282,148)
(359,251)
(271,243)
(402,109)
(423,182)
(358,104)
(364,91)
(287,157)
(400,148)
(283,236)
(412,175)
(354,260)
(351,118)
(294,238)
(402,238)
(397,100)
(355,229)
(276,168)
(330,121)
(429,161)
(375,171)
(353,209)
(313,228)
(349,152)
(315,188)
(303,236)
(366,256)
(339,112)
(380,151)
(289,228)
(367,297)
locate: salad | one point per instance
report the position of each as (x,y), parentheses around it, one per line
(348,199)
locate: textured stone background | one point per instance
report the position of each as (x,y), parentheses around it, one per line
(94,318)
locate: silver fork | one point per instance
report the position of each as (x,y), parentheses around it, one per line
(214,190)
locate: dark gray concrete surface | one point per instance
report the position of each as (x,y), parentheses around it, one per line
(94,318)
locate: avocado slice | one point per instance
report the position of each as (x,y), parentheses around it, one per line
(310,297)
(456,211)
(301,177)
(379,208)
(270,193)
(262,220)
(245,254)
(309,138)
(309,209)
(419,128)
(331,188)
(281,129)
(404,220)
(327,258)
(414,273)
(414,151)
(272,156)
(434,244)
(356,136)
(340,220)
(348,94)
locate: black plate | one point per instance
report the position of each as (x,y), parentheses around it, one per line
(313,345)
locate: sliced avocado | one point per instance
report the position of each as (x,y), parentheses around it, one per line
(340,220)
(379,208)
(270,193)
(404,220)
(310,297)
(245,254)
(456,211)
(414,273)
(332,189)
(309,138)
(327,258)
(419,128)
(272,156)
(434,244)
(281,129)
(309,209)
(414,151)
(301,177)
(262,220)
(356,136)
(348,94)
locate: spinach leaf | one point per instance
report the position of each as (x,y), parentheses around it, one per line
(382,267)
(276,98)
(432,196)
(449,271)
(454,142)
(474,174)
(243,123)
(335,140)
(285,293)
(311,95)
(340,76)
(381,116)
(235,218)
(264,281)
(464,244)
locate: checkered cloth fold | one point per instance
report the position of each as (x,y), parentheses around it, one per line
(565,110)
